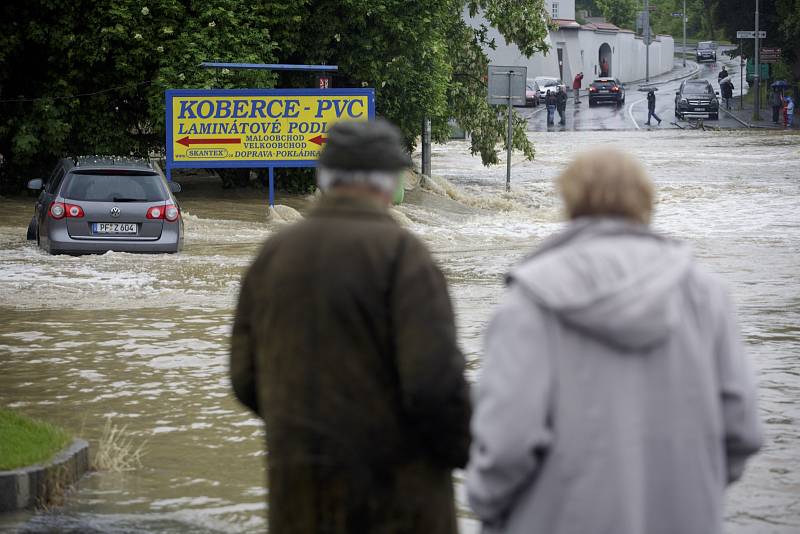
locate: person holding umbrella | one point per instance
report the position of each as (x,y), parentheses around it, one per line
(776,99)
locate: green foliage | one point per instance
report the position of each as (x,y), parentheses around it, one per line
(619,12)
(780,19)
(421,57)
(95,71)
(25,442)
(89,76)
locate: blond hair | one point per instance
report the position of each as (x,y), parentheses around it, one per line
(606,182)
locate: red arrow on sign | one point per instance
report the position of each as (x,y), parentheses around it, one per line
(318,140)
(186,141)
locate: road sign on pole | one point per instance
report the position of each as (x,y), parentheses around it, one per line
(507,86)
(745,34)
(770,55)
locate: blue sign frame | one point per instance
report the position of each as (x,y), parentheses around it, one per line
(271,164)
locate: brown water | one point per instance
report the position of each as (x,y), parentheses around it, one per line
(143,339)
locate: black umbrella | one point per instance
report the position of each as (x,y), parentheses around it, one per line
(779,84)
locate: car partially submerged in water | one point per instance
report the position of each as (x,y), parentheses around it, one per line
(92,205)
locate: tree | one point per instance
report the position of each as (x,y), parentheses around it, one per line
(89,76)
(622,13)
(421,57)
(95,71)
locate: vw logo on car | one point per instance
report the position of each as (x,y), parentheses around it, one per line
(115,211)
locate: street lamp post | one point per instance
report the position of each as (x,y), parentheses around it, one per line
(646,40)
(684,33)
(756,74)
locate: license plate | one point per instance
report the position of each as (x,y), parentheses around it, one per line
(114,228)
(603,90)
(699,109)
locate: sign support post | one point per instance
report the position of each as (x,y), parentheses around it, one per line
(757,74)
(271,187)
(742,67)
(684,33)
(510,141)
(507,87)
(646,40)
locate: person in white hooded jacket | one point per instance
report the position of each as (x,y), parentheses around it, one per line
(615,395)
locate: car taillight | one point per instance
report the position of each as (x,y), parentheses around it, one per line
(74,211)
(169,212)
(615,89)
(57,210)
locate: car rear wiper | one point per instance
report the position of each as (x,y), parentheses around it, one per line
(124,199)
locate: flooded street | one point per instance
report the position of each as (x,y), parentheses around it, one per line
(143,339)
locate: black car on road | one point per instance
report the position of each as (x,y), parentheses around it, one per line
(606,90)
(706,52)
(696,99)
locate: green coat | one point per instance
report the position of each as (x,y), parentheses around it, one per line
(344,343)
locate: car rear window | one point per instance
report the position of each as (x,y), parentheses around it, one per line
(115,188)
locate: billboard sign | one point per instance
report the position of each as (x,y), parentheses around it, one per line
(227,128)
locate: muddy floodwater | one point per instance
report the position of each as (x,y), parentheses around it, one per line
(143,339)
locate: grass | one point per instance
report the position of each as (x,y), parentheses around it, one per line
(25,441)
(116,450)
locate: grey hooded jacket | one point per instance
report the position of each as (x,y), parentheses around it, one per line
(615,396)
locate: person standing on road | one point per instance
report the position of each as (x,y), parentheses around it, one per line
(727,92)
(722,75)
(550,102)
(344,343)
(789,112)
(576,87)
(776,100)
(615,394)
(561,105)
(651,107)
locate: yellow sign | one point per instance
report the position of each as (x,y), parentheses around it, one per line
(257,128)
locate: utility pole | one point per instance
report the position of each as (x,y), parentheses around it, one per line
(426,146)
(684,33)
(647,40)
(757,73)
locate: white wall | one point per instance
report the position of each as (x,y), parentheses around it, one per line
(566,9)
(581,52)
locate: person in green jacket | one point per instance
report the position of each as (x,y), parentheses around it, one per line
(344,343)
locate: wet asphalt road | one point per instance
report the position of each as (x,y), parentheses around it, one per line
(633,114)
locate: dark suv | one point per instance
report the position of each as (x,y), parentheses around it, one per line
(96,204)
(706,52)
(606,90)
(697,99)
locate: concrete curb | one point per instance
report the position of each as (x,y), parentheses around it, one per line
(689,75)
(36,485)
(737,119)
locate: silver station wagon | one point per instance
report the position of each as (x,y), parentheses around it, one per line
(91,205)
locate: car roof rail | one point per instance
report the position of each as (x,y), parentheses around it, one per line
(112,161)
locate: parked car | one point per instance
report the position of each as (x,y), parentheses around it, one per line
(697,99)
(706,52)
(546,83)
(606,90)
(91,205)
(531,93)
